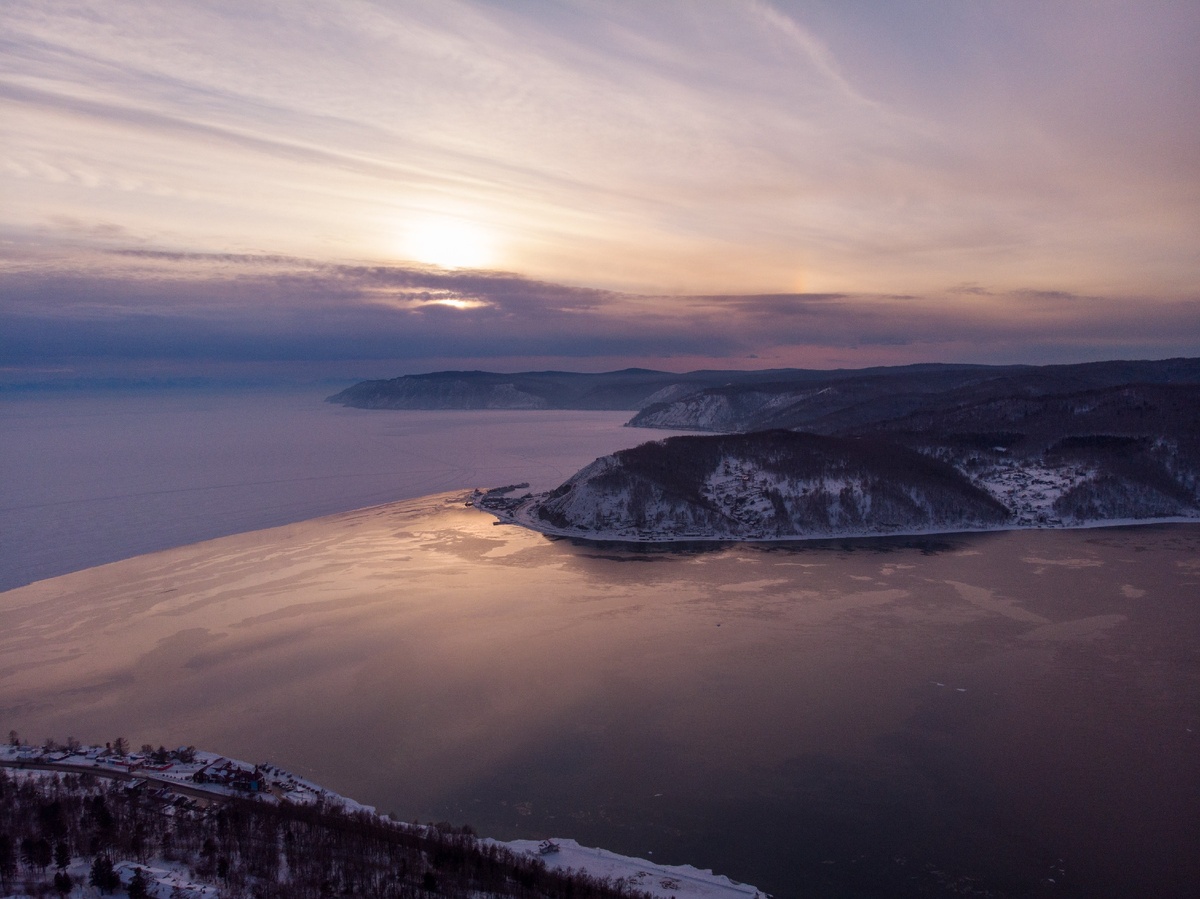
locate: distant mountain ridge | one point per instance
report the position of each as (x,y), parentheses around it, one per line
(630,389)
(823,401)
(856,400)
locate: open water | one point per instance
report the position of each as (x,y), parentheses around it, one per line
(1007,714)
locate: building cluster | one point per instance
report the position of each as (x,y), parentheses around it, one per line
(235,775)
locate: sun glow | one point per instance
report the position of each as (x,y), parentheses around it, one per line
(449,243)
(458,303)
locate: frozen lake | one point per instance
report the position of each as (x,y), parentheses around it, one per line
(1009,714)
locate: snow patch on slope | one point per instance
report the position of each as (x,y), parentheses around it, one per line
(638,874)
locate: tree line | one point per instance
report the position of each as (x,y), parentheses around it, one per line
(252,849)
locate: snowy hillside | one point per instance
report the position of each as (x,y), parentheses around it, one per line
(777,485)
(769,485)
(723,409)
(189,824)
(844,402)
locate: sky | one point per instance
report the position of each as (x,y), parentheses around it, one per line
(366,189)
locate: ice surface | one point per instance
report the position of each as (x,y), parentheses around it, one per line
(90,478)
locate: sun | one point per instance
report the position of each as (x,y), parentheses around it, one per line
(448,243)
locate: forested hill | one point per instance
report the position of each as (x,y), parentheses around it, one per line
(106,833)
(617,390)
(856,400)
(630,389)
(766,485)
(1115,454)
(826,401)
(84,821)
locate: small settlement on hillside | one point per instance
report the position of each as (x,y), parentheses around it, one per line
(176,780)
(186,766)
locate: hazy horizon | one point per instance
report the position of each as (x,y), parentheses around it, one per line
(372,189)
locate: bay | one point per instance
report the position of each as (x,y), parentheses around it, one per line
(94,476)
(1008,714)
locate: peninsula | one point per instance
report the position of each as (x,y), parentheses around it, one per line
(1111,455)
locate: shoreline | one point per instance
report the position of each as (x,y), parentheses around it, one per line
(230,779)
(520,517)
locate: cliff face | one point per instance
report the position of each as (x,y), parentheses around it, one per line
(777,484)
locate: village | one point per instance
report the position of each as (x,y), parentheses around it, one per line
(200,773)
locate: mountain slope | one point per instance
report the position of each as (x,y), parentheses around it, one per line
(630,389)
(855,400)
(1019,460)
(1125,452)
(767,485)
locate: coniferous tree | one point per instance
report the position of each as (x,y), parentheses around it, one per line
(103,877)
(63,883)
(50,816)
(139,887)
(8,860)
(41,854)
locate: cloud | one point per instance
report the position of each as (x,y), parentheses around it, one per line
(690,147)
(190,308)
(785,182)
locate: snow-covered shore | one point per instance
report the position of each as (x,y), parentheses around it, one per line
(637,873)
(195,772)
